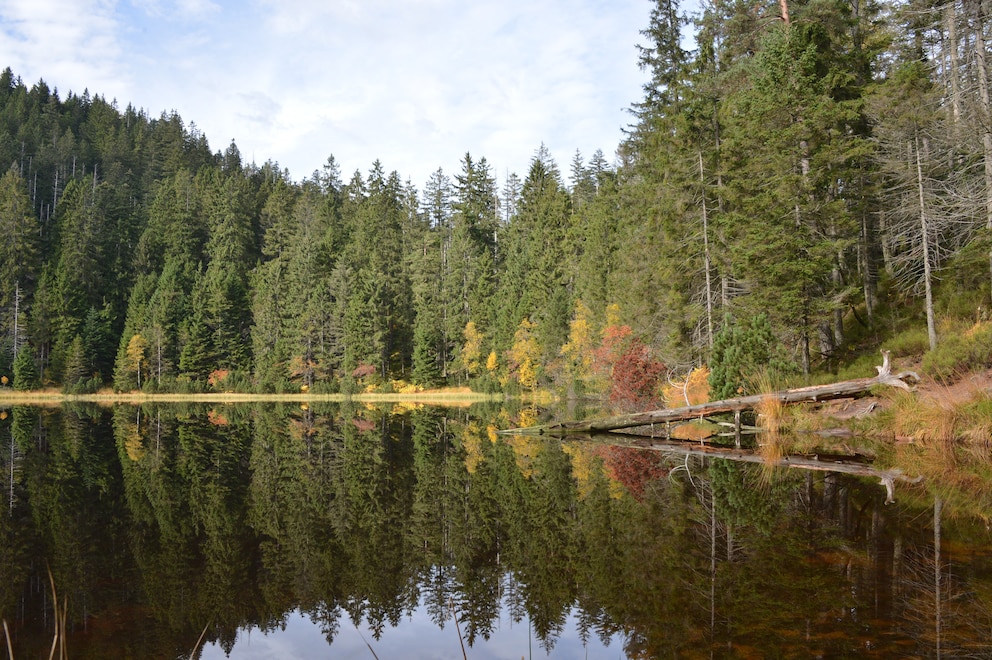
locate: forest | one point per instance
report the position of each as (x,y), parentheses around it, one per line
(812,179)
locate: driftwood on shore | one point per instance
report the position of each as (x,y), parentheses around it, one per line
(841,390)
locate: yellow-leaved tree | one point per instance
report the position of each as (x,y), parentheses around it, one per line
(525,354)
(582,341)
(471,353)
(136,351)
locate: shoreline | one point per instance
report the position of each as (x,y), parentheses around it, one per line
(56,398)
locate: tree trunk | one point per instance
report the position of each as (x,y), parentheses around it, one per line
(925,237)
(706,253)
(886,245)
(951,28)
(827,346)
(869,273)
(985,112)
(838,280)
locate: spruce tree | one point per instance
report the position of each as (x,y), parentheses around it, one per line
(25,370)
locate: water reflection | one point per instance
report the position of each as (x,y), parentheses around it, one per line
(416,637)
(247,521)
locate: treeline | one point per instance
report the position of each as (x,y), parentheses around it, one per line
(806,167)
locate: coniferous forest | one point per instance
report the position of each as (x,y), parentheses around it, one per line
(814,176)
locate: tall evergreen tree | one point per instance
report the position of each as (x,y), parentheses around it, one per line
(19,251)
(536,283)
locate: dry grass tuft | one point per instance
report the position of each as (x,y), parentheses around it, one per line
(770,443)
(773,419)
(924,420)
(771,414)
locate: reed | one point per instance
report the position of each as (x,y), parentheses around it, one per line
(10,645)
(59,642)
(451,604)
(199,641)
(371,650)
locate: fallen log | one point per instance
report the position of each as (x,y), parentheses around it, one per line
(841,390)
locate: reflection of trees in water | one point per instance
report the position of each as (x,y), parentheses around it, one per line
(941,609)
(15,546)
(239,516)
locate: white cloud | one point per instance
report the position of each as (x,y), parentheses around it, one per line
(196,8)
(61,41)
(415,84)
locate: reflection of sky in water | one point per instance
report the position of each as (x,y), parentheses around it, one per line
(416,637)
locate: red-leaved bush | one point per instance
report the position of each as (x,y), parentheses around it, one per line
(362,371)
(635,376)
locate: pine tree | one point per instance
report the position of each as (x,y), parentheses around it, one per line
(790,160)
(536,271)
(741,353)
(379,322)
(470,251)
(19,250)
(75,370)
(25,370)
(224,292)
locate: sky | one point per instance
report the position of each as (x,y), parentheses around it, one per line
(413,83)
(416,636)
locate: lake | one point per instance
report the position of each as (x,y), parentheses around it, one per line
(349,530)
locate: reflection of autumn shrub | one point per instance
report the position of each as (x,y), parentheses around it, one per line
(133,443)
(632,467)
(216,418)
(634,381)
(364,425)
(525,451)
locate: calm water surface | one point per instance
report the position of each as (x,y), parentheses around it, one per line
(280,531)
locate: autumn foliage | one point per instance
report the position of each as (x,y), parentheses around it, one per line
(631,371)
(217,377)
(363,371)
(635,377)
(693,390)
(632,467)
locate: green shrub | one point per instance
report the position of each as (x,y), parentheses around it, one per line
(957,353)
(326,386)
(862,367)
(743,351)
(909,343)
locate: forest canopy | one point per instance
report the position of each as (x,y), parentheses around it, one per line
(806,168)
